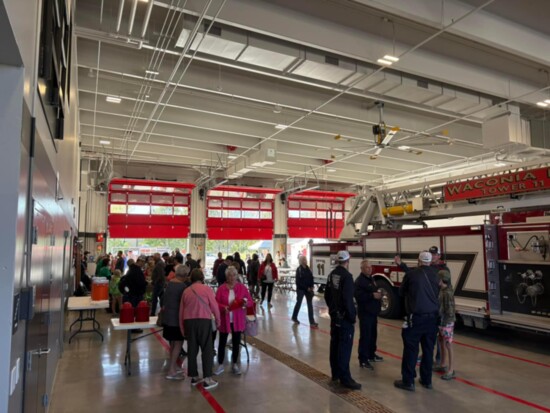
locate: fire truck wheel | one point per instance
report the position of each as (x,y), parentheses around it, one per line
(390,300)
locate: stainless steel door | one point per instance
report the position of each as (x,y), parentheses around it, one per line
(37,349)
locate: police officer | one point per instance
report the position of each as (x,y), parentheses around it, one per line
(339,298)
(420,288)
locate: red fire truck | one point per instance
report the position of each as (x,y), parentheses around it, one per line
(500,269)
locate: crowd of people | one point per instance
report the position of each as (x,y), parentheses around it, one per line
(192,311)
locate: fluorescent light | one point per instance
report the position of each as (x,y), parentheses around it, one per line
(104,142)
(331,170)
(403,148)
(500,164)
(542,104)
(384,62)
(280,126)
(231,156)
(547,101)
(151,72)
(113,99)
(391,58)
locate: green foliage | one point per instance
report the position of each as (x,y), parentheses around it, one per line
(228,247)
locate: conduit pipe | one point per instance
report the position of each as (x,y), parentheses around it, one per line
(133,16)
(147,17)
(119,18)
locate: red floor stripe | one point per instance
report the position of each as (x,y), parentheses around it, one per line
(461,380)
(497,353)
(209,398)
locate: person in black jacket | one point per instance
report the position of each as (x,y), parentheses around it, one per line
(252,275)
(367,298)
(237,258)
(133,284)
(339,298)
(304,286)
(420,288)
(220,276)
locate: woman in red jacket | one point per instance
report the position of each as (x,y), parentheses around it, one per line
(233,298)
(267,275)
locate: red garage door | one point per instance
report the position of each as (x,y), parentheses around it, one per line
(240,213)
(316,214)
(149,209)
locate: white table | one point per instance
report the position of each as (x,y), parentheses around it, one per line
(115,322)
(82,304)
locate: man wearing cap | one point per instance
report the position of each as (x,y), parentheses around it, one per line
(339,299)
(436,259)
(420,288)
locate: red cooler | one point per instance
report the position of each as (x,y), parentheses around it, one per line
(126,313)
(142,312)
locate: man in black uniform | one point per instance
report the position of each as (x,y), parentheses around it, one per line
(367,298)
(339,298)
(420,288)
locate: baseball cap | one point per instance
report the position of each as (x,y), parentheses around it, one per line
(434,250)
(425,256)
(444,276)
(342,256)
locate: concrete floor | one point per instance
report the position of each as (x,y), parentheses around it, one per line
(497,371)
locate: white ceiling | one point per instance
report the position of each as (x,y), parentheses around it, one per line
(197,117)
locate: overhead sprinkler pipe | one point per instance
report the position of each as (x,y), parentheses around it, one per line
(147,17)
(133,17)
(119,18)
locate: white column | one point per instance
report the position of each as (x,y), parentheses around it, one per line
(197,235)
(280,229)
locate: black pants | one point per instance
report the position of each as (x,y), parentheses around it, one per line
(235,342)
(132,299)
(368,327)
(269,288)
(309,298)
(341,343)
(198,333)
(423,331)
(158,291)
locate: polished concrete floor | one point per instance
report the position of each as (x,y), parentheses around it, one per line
(497,371)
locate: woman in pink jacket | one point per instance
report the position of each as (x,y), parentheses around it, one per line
(268,275)
(198,306)
(233,298)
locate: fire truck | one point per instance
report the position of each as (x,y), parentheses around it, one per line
(500,267)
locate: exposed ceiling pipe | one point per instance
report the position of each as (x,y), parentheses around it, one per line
(119,18)
(133,16)
(147,17)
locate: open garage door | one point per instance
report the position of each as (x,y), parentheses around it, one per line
(149,209)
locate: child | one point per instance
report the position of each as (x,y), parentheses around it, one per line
(115,292)
(446,327)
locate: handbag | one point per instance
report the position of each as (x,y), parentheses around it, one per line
(212,316)
(160,317)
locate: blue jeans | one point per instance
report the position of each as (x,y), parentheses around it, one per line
(309,298)
(368,328)
(341,343)
(423,331)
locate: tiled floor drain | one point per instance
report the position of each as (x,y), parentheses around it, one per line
(356,398)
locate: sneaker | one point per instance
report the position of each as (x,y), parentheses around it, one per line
(352,385)
(269,305)
(209,383)
(366,365)
(314,325)
(176,376)
(376,359)
(219,370)
(235,369)
(334,381)
(438,368)
(195,381)
(403,386)
(426,385)
(296,321)
(448,376)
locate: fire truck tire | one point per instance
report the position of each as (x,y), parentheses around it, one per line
(391,307)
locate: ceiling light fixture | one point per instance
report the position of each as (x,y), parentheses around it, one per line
(403,148)
(113,99)
(391,58)
(104,142)
(498,164)
(231,156)
(384,62)
(542,104)
(151,72)
(331,170)
(277,109)
(280,126)
(547,101)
